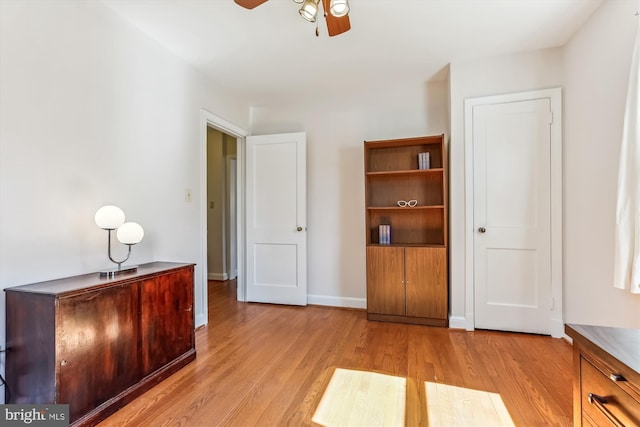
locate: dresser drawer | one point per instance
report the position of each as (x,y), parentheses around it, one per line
(604,402)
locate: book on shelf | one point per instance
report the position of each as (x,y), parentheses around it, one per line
(424,161)
(384,234)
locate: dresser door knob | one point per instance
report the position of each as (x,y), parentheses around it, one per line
(617,377)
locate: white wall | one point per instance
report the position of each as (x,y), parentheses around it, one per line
(597,62)
(483,77)
(336,128)
(93,112)
(592,69)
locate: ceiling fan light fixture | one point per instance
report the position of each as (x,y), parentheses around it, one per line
(309,10)
(339,8)
(298,1)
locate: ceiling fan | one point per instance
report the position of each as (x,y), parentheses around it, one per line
(336,13)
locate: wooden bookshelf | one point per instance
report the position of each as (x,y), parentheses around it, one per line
(407,278)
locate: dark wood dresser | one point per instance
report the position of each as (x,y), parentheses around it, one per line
(606,386)
(97,343)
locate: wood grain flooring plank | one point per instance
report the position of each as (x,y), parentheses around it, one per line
(269,365)
(267,403)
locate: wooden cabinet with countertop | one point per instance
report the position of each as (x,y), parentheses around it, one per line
(96,343)
(606,386)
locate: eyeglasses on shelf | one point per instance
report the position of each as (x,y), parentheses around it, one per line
(410,203)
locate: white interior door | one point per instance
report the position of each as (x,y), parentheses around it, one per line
(512,216)
(276,219)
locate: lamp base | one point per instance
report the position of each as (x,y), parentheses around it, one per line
(113,272)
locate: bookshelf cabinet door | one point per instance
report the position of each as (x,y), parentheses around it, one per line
(385,280)
(426,282)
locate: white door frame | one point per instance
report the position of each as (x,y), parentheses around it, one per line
(209,119)
(555,97)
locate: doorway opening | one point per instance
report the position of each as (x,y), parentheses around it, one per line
(221,206)
(229,231)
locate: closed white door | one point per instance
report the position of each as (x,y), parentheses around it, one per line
(512,216)
(276,219)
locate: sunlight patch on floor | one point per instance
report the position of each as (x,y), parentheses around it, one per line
(368,399)
(449,406)
(359,398)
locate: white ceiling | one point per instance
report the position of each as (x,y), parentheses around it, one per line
(271,53)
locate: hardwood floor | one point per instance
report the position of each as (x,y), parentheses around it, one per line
(269,365)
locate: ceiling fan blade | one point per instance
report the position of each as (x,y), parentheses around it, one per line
(336,26)
(249,4)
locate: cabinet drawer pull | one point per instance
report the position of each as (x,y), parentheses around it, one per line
(598,402)
(617,377)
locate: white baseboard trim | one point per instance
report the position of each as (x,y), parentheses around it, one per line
(457,322)
(460,322)
(344,302)
(217,276)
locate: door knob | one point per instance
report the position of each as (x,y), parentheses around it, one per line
(299,228)
(482,229)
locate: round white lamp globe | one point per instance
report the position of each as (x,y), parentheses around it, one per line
(109,217)
(130,233)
